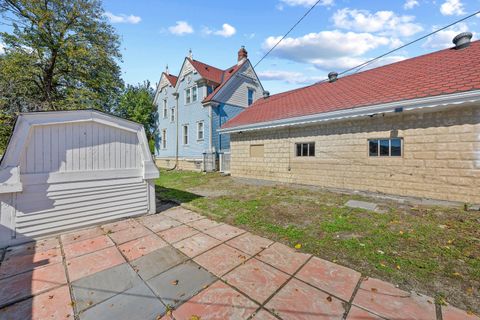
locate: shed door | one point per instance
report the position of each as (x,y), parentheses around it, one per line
(76,175)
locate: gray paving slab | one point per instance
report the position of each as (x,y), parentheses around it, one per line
(158,261)
(180,283)
(103,285)
(362,205)
(138,302)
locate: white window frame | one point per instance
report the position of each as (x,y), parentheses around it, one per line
(189,94)
(185,135)
(165,109)
(253,96)
(378,155)
(172,115)
(308,155)
(164,139)
(202,124)
(196,93)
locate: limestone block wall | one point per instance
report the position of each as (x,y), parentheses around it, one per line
(441,154)
(183,164)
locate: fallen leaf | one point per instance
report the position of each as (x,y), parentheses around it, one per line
(329,299)
(50,297)
(457,274)
(174,282)
(194,317)
(298,246)
(398,267)
(374,289)
(400,232)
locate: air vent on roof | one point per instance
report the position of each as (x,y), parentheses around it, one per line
(332,76)
(462,40)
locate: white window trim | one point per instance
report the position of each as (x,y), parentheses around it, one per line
(253,95)
(389,156)
(172,115)
(307,156)
(189,89)
(203,130)
(165,109)
(183,135)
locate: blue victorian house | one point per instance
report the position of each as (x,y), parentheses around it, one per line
(194,104)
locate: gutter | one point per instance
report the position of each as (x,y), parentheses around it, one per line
(398,106)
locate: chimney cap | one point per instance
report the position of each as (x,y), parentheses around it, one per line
(462,40)
(242,54)
(332,76)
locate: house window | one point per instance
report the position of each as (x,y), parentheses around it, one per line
(257,150)
(185,134)
(164,139)
(172,115)
(200,130)
(165,110)
(209,90)
(305,149)
(194,94)
(385,147)
(188,98)
(250,96)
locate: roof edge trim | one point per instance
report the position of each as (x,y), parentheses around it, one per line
(428,102)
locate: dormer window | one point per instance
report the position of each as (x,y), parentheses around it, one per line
(250,96)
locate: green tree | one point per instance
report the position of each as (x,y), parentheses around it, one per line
(136,104)
(59,55)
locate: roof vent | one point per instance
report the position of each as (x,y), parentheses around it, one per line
(266,94)
(332,76)
(462,40)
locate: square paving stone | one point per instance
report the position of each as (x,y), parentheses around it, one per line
(157,262)
(80,248)
(282,257)
(54,304)
(196,244)
(26,284)
(221,259)
(103,285)
(159,222)
(81,235)
(297,300)
(452,313)
(183,215)
(138,302)
(356,313)
(386,300)
(219,301)
(91,263)
(204,224)
(250,243)
(119,225)
(20,263)
(32,247)
(139,247)
(224,232)
(125,235)
(180,283)
(333,278)
(178,233)
(256,279)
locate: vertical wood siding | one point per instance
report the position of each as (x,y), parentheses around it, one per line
(85,146)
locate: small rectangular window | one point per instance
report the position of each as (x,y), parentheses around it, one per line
(209,89)
(165,110)
(194,94)
(164,139)
(305,149)
(250,96)
(385,147)
(257,150)
(185,134)
(187,96)
(172,115)
(200,130)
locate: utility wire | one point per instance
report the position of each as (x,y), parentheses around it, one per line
(362,65)
(286,34)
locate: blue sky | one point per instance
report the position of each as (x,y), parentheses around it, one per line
(336,35)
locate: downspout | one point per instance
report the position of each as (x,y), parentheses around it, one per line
(175,94)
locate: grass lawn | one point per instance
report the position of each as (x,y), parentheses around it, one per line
(432,250)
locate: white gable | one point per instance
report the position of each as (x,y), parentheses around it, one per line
(186,69)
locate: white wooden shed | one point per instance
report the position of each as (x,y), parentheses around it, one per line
(70,169)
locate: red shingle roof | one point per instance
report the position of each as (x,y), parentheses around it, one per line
(172,79)
(227,74)
(442,72)
(207,72)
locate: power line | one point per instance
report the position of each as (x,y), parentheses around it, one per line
(286,34)
(364,64)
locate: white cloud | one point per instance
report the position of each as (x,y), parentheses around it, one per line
(410,4)
(291,77)
(326,49)
(122,18)
(383,22)
(304,3)
(443,39)
(249,35)
(2,48)
(226,31)
(181,28)
(452,7)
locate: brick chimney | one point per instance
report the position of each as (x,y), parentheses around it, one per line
(242,55)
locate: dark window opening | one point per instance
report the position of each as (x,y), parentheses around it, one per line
(305,149)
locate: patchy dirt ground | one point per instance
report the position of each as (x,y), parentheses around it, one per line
(433,250)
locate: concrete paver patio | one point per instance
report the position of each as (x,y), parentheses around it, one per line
(180,265)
